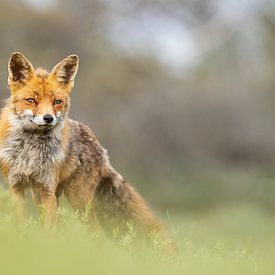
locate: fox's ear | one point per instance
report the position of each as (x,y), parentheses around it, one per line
(20,69)
(65,71)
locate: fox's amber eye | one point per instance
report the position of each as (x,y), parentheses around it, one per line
(57,102)
(30,100)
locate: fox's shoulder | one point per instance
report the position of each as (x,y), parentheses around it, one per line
(81,131)
(85,141)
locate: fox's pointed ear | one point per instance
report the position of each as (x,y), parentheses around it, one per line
(20,69)
(65,71)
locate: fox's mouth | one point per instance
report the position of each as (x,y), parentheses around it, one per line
(43,126)
(46,126)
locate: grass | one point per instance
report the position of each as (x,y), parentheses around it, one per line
(230,240)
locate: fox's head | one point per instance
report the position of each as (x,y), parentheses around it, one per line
(39,99)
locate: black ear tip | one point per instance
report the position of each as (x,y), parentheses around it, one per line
(16,56)
(73,57)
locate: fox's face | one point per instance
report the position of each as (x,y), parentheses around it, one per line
(40,100)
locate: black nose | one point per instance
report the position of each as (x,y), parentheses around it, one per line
(48,118)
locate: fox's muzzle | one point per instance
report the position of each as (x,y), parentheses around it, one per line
(48,118)
(41,120)
(44,120)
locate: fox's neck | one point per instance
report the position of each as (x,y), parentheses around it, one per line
(32,154)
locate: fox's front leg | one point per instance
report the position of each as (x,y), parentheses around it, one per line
(46,200)
(17,193)
(49,202)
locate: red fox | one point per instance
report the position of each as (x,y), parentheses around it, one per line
(41,148)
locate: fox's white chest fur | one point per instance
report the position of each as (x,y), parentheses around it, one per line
(32,157)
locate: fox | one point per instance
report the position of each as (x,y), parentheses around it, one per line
(43,150)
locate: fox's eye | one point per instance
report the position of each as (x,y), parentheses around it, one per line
(30,100)
(57,101)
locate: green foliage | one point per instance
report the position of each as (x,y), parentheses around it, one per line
(217,117)
(231,240)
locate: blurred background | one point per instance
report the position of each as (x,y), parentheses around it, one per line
(180,92)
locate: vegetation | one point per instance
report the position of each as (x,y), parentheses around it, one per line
(235,240)
(161,125)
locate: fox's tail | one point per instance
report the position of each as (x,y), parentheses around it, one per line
(118,204)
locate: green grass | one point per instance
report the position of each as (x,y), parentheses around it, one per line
(229,240)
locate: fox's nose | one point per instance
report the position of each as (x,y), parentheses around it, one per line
(48,118)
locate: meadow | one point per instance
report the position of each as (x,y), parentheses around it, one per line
(229,240)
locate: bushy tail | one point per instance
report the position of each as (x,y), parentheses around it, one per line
(117,204)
